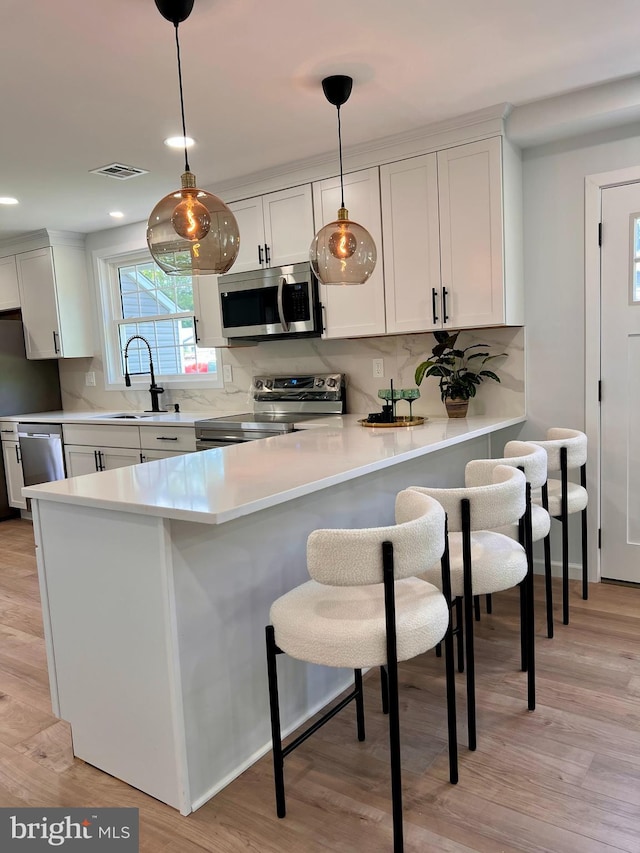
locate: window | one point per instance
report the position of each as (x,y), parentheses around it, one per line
(635,283)
(140,299)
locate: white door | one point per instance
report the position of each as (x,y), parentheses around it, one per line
(288,226)
(620,373)
(248,214)
(39,304)
(13,474)
(119,457)
(80,460)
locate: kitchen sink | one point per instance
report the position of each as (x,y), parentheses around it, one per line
(127,415)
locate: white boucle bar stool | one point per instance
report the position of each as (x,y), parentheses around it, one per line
(483,561)
(532,460)
(566,451)
(365,607)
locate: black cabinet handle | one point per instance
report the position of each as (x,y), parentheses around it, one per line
(18,460)
(267,255)
(95,456)
(434,298)
(166,438)
(445,316)
(143,458)
(55,342)
(260,255)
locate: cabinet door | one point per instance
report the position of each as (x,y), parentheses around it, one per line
(13,474)
(249,216)
(148,455)
(9,295)
(409,191)
(357,310)
(288,225)
(39,304)
(119,457)
(80,460)
(471,244)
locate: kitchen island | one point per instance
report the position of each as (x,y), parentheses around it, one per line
(157,579)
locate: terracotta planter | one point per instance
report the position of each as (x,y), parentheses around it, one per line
(456,408)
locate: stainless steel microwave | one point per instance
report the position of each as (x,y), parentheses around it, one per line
(280,302)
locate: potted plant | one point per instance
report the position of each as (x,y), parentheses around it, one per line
(460,371)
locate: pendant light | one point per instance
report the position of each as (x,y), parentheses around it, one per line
(190,231)
(342,252)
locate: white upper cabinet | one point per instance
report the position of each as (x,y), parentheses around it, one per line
(275,229)
(358,310)
(409,191)
(9,295)
(55,302)
(453,238)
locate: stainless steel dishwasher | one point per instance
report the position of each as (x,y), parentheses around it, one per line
(41,452)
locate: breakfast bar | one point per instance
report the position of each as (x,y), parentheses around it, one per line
(157,580)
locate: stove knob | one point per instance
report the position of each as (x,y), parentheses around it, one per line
(319,383)
(259,384)
(268,383)
(331,382)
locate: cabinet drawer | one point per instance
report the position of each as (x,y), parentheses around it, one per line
(9,430)
(101,436)
(168,438)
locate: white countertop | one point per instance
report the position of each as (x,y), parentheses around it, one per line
(157,419)
(214,486)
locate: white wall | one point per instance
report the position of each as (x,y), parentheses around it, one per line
(554,269)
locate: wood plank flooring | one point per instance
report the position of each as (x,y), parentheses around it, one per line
(564,779)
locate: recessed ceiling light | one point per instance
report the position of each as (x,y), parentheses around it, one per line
(7,199)
(179,141)
(117,214)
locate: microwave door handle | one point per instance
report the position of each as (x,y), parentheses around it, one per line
(283,321)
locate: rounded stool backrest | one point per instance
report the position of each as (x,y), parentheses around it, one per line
(354,557)
(575,442)
(500,503)
(519,454)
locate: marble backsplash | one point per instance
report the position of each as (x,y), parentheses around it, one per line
(353,357)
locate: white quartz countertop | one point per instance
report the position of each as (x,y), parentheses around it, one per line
(141,418)
(218,485)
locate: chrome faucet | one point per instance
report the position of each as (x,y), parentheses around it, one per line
(154,390)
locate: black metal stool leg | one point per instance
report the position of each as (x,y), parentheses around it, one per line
(439,650)
(449,668)
(460,633)
(564,518)
(488,603)
(547,567)
(359,704)
(585,570)
(476,607)
(384,689)
(468,622)
(531,633)
(524,655)
(278,758)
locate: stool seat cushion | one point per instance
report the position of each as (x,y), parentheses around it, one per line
(540,525)
(497,563)
(345,626)
(576,497)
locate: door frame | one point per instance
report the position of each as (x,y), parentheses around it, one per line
(593,186)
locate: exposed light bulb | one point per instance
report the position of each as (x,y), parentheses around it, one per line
(191,219)
(342,243)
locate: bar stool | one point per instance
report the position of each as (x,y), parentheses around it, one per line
(566,451)
(532,459)
(483,561)
(365,607)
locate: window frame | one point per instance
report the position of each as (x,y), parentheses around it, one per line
(106,263)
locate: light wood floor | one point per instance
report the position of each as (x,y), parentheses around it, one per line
(564,779)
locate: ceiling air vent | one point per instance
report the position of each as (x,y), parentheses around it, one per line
(119,171)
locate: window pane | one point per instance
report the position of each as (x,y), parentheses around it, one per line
(636,282)
(145,290)
(173,349)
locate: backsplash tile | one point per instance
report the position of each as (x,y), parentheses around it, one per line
(401,354)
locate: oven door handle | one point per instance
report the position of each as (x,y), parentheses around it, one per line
(283,321)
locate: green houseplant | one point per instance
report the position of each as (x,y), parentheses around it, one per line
(459,371)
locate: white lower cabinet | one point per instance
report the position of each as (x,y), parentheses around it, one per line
(81,459)
(13,473)
(354,311)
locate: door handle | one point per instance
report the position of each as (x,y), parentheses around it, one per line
(55,342)
(260,255)
(445,316)
(166,438)
(18,459)
(434,298)
(267,255)
(95,456)
(285,324)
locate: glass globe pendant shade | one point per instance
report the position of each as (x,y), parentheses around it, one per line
(192,232)
(343,252)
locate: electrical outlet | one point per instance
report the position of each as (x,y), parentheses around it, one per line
(227,373)
(378,368)
(90,378)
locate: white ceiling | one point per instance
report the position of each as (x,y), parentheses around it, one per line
(85,84)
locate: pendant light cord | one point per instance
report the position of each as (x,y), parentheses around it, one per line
(184,128)
(340,150)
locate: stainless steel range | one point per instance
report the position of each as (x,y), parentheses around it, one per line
(279,402)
